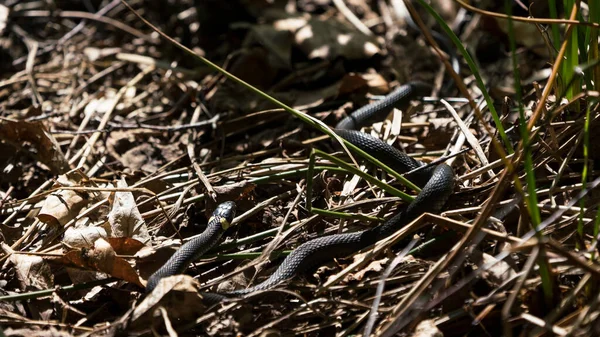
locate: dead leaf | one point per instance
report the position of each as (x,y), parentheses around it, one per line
(178,294)
(229,192)
(83,237)
(34,138)
(427,328)
(124,218)
(330,39)
(126,246)
(63,205)
(32,271)
(141,157)
(500,272)
(375,265)
(101,258)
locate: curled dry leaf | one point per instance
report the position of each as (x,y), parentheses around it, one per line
(63,205)
(40,143)
(102,258)
(32,271)
(375,265)
(83,237)
(124,218)
(178,294)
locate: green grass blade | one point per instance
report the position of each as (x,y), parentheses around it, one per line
(313,122)
(474,69)
(531,201)
(594,54)
(351,169)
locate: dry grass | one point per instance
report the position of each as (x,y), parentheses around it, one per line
(110,133)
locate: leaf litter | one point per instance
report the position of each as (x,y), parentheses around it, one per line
(114,144)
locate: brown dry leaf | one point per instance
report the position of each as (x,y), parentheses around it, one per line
(375,265)
(101,258)
(229,192)
(125,246)
(330,39)
(124,218)
(178,294)
(34,138)
(304,99)
(351,83)
(63,205)
(32,271)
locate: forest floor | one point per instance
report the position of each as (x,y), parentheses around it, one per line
(116,145)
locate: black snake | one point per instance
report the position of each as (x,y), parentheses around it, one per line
(437,185)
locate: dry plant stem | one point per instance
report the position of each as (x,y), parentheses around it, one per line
(446,261)
(527,269)
(558,331)
(571,20)
(467,133)
(317,124)
(167,321)
(104,72)
(33,48)
(89,16)
(87,148)
(381,285)
(461,86)
(278,236)
(341,6)
(191,151)
(566,302)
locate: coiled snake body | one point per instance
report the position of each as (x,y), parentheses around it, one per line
(437,182)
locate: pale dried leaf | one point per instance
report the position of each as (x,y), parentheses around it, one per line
(40,143)
(500,272)
(102,258)
(63,205)
(375,265)
(83,237)
(32,271)
(427,328)
(124,218)
(177,293)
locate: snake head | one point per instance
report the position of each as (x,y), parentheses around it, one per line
(225,213)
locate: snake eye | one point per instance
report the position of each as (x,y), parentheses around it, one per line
(226,210)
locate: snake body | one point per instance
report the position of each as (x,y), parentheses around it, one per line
(437,183)
(192,250)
